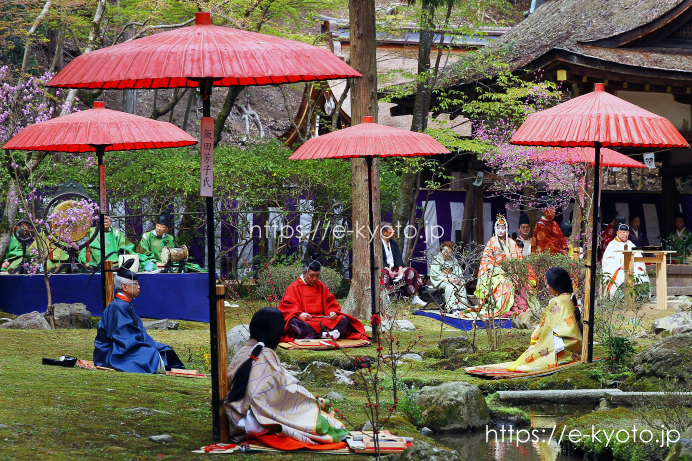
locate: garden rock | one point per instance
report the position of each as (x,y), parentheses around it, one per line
(367,426)
(325,373)
(4,320)
(456,345)
(666,325)
(334,396)
(70,316)
(412,357)
(398,325)
(683,447)
(682,330)
(426,432)
(30,321)
(423,451)
(237,338)
(164,438)
(453,407)
(527,320)
(164,324)
(670,358)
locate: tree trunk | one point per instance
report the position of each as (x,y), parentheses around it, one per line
(363,103)
(407,186)
(222,116)
(8,217)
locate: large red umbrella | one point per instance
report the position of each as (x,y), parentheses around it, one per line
(609,157)
(99,130)
(597,120)
(369,140)
(203,55)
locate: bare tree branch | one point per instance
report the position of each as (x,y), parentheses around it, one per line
(177,96)
(37,22)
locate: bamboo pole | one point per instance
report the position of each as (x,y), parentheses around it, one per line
(108,273)
(222,360)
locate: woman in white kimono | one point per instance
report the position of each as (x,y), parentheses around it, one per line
(264,399)
(446,274)
(614,261)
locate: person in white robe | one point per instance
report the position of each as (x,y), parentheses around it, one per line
(446,274)
(614,261)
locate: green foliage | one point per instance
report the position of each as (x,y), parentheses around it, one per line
(620,352)
(273,281)
(407,405)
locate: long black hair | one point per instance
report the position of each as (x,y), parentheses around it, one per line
(559,280)
(266,327)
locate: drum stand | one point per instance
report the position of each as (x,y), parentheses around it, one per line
(23,268)
(169,268)
(71,266)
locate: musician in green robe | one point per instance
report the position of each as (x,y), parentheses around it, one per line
(680,240)
(14,254)
(153,241)
(116,241)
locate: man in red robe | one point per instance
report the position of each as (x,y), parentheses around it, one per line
(547,235)
(311,311)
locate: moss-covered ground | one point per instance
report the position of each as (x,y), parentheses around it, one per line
(71,414)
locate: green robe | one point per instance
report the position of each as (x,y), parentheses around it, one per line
(681,245)
(151,245)
(14,253)
(115,241)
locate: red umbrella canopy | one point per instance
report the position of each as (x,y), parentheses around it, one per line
(181,57)
(81,131)
(598,117)
(609,157)
(369,139)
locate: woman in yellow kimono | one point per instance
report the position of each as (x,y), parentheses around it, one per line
(557,340)
(494,289)
(263,399)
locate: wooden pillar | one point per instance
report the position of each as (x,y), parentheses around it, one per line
(467,220)
(530,210)
(222,360)
(586,314)
(671,204)
(108,273)
(478,216)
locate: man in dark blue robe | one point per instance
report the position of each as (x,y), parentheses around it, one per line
(121,340)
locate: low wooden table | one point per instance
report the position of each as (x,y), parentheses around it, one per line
(658,258)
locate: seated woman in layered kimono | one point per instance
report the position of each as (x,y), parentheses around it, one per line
(264,399)
(557,340)
(614,262)
(446,274)
(495,290)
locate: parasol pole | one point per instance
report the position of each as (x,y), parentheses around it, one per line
(205,86)
(373,269)
(594,250)
(100,149)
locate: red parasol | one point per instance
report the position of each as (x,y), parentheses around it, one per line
(99,130)
(595,120)
(203,55)
(183,57)
(598,117)
(609,157)
(369,140)
(82,131)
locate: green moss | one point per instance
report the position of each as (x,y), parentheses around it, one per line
(584,376)
(609,423)
(501,414)
(644,384)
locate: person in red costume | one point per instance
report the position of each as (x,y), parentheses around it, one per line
(547,235)
(312,312)
(609,234)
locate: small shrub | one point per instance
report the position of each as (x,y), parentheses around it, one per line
(408,406)
(276,279)
(620,352)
